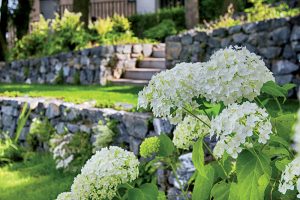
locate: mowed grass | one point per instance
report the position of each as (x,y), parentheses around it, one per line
(105,96)
(33,179)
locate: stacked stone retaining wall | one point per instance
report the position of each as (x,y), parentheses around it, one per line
(277,41)
(89,66)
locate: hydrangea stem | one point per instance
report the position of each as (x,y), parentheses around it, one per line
(192,114)
(177,179)
(278,104)
(210,152)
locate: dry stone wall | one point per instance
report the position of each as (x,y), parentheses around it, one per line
(277,41)
(132,127)
(88,66)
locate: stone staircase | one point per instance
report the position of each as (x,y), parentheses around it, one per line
(145,69)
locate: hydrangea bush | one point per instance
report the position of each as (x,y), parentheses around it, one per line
(224,99)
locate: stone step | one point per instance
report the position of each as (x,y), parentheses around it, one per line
(155,63)
(160,53)
(124,81)
(141,73)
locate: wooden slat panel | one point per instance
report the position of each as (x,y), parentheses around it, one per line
(106,8)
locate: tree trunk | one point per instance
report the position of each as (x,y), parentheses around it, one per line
(191,13)
(3,29)
(22,17)
(82,6)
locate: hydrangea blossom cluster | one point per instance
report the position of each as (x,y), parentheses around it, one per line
(103,172)
(236,125)
(149,147)
(60,150)
(290,177)
(189,130)
(170,91)
(233,74)
(64,196)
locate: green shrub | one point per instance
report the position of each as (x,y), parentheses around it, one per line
(212,9)
(142,22)
(33,43)
(39,133)
(112,31)
(9,148)
(259,12)
(68,33)
(263,11)
(120,24)
(162,30)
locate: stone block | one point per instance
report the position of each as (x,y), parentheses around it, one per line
(284,67)
(173,50)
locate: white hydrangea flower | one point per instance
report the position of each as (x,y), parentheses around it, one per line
(64,196)
(233,74)
(172,90)
(236,125)
(102,174)
(290,177)
(297,133)
(189,130)
(60,150)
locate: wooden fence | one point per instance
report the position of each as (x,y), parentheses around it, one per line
(171,3)
(106,8)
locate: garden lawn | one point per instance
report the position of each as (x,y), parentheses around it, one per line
(34,179)
(105,96)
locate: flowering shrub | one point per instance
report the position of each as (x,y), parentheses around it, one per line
(227,98)
(224,99)
(103,173)
(71,151)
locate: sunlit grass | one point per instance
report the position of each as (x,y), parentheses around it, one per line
(34,179)
(105,96)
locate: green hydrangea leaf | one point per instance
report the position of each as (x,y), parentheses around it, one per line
(203,185)
(166,146)
(253,175)
(198,157)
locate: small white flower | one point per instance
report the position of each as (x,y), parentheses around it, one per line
(236,125)
(290,177)
(189,130)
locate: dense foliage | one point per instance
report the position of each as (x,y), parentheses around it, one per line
(141,23)
(260,11)
(68,33)
(10,150)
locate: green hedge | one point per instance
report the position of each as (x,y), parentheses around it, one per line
(143,22)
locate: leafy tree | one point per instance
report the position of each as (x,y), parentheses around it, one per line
(21,17)
(3,29)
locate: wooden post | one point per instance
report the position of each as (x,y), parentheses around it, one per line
(191,13)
